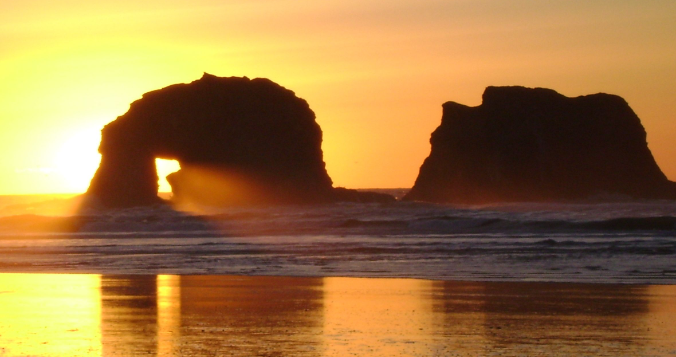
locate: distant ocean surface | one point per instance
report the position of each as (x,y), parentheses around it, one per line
(617,242)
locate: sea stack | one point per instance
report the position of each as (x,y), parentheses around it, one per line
(534,144)
(238,141)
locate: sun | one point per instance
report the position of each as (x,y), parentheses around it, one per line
(77,159)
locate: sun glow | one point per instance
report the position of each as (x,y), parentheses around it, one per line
(77,160)
(50,315)
(375,73)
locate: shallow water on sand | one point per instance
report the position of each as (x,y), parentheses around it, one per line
(170,315)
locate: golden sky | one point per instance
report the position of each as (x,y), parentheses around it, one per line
(374,72)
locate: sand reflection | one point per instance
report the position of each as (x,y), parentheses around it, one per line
(547,319)
(377,317)
(168,315)
(50,315)
(165,315)
(129,315)
(250,316)
(210,315)
(661,319)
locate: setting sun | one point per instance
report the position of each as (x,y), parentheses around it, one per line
(375,73)
(77,160)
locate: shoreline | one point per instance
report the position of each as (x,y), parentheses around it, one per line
(625,259)
(365,277)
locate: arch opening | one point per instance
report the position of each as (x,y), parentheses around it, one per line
(165,167)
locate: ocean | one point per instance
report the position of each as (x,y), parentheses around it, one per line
(590,242)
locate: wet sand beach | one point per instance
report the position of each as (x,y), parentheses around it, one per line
(168,315)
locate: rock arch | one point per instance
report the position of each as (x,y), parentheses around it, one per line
(238,141)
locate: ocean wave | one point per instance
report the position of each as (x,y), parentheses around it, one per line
(619,242)
(356,219)
(478,225)
(660,223)
(206,226)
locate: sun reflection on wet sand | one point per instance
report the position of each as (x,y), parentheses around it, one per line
(660,321)
(166,315)
(129,313)
(527,319)
(50,315)
(250,316)
(377,317)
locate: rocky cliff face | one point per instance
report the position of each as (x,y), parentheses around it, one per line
(524,144)
(238,141)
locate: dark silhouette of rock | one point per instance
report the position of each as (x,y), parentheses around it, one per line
(239,141)
(524,144)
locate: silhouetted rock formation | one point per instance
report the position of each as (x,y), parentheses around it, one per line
(238,141)
(525,144)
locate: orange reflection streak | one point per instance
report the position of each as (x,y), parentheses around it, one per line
(377,317)
(661,319)
(50,315)
(168,314)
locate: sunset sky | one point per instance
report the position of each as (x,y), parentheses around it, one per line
(375,72)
